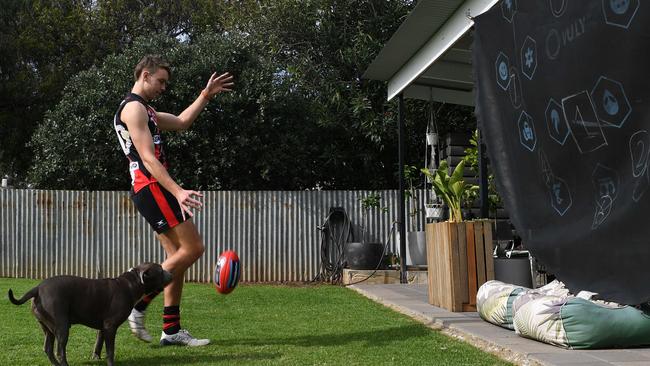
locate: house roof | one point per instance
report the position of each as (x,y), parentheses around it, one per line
(429,55)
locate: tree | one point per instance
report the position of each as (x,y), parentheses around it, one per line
(301,116)
(242,141)
(44,43)
(326,45)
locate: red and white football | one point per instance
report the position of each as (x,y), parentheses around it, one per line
(227,272)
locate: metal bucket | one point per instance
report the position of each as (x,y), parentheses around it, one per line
(514,270)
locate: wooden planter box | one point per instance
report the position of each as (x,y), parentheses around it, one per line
(459,260)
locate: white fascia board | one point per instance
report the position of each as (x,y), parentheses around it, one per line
(439,95)
(449,33)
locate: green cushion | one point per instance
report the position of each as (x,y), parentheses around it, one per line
(509,313)
(593,325)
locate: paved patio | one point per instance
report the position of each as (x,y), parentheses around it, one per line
(412,301)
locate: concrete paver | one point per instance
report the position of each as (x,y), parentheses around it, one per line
(412,300)
(621,356)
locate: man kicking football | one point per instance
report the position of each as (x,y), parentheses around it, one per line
(164,204)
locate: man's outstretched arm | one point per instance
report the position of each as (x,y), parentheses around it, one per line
(216,85)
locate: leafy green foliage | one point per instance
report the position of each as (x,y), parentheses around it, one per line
(301,116)
(471,161)
(452,189)
(471,153)
(372,201)
(326,50)
(234,143)
(411,175)
(45,43)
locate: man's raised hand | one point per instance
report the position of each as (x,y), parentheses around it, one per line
(218,84)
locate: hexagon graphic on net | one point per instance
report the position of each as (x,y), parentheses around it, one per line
(557,127)
(527,135)
(529,57)
(620,13)
(560,195)
(606,182)
(612,106)
(514,90)
(502,66)
(508,9)
(639,151)
(558,7)
(582,120)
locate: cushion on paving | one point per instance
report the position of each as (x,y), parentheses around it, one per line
(579,323)
(539,319)
(494,302)
(554,288)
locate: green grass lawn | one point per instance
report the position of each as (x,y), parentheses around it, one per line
(254,325)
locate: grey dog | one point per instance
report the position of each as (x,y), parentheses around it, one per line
(101,304)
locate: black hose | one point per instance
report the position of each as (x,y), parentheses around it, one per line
(336,230)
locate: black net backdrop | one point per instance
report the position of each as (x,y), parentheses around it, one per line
(562,101)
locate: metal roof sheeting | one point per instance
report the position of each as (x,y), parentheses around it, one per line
(422,22)
(429,56)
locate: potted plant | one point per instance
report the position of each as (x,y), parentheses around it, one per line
(392,260)
(366,254)
(459,254)
(452,189)
(416,243)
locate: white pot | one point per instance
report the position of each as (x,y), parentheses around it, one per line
(416,248)
(434,212)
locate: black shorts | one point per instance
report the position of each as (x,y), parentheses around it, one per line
(159,207)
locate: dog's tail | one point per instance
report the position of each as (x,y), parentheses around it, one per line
(31,293)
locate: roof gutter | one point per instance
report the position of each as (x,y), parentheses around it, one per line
(449,33)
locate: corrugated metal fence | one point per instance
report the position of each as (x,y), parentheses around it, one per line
(101,234)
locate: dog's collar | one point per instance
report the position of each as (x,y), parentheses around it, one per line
(138,274)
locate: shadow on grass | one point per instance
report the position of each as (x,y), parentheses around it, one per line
(186,359)
(372,338)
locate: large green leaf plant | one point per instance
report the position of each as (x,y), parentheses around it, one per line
(452,189)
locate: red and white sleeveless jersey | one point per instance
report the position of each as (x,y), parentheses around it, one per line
(140,176)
